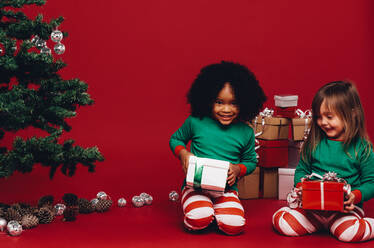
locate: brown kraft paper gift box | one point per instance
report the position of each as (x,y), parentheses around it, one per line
(249,185)
(269,182)
(299,127)
(274,128)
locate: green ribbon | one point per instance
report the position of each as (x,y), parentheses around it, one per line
(198,175)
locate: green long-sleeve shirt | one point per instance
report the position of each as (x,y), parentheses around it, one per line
(356,168)
(234,143)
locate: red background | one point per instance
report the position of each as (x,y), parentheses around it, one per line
(140,57)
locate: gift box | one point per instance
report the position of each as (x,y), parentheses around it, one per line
(269,182)
(294,150)
(322,195)
(249,185)
(206,173)
(285,100)
(271,128)
(300,128)
(287,112)
(285,182)
(273,153)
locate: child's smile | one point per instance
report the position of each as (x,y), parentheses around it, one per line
(330,123)
(225,109)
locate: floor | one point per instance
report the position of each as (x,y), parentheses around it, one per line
(160,225)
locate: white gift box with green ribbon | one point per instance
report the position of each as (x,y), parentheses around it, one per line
(207,173)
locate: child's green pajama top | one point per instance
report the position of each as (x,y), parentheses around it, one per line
(234,143)
(353,165)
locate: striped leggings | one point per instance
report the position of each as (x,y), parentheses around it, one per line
(347,227)
(200,209)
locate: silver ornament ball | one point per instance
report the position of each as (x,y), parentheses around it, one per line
(137,201)
(39,43)
(59,48)
(102,195)
(14,228)
(148,200)
(173,196)
(121,202)
(56,35)
(34,39)
(143,195)
(59,208)
(2,224)
(94,201)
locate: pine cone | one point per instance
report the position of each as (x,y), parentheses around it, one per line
(46,201)
(2,212)
(103,205)
(16,206)
(12,214)
(70,199)
(45,215)
(85,206)
(70,214)
(29,221)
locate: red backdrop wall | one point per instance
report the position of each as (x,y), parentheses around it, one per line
(140,57)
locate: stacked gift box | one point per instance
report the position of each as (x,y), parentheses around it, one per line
(279,150)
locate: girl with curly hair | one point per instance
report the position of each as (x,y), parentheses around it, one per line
(222,98)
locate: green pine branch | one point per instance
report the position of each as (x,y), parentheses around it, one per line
(33,94)
(20,3)
(26,153)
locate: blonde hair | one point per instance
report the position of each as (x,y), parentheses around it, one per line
(341,97)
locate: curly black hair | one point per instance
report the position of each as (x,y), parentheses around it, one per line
(210,81)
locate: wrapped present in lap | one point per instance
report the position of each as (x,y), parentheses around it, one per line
(208,174)
(325,194)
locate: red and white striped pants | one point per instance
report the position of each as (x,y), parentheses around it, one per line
(200,209)
(347,227)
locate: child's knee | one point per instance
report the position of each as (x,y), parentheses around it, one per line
(198,219)
(231,224)
(288,222)
(353,230)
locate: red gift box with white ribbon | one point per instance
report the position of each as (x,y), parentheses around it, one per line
(323,195)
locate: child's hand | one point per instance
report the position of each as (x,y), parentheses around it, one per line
(232,174)
(348,204)
(184,157)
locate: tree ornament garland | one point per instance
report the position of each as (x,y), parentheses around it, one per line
(22,216)
(33,94)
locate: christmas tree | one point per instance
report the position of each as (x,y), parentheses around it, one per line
(33,94)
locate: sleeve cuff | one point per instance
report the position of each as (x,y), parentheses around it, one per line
(178,149)
(358,196)
(243,170)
